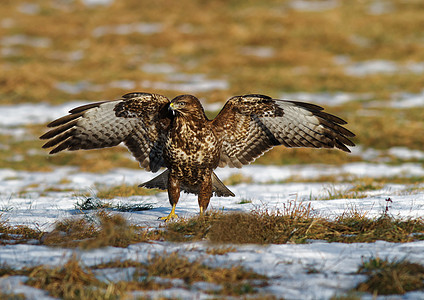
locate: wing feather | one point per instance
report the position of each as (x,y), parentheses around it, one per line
(139,120)
(250,125)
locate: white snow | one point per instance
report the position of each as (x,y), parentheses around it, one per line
(287,265)
(375,155)
(408,100)
(380,8)
(123,29)
(326,98)
(97,2)
(405,153)
(262,52)
(25,40)
(158,68)
(307,5)
(30,113)
(375,66)
(370,67)
(29,8)
(24,201)
(190,83)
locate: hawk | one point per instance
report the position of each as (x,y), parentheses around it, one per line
(178,136)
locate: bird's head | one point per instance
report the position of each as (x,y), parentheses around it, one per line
(186,105)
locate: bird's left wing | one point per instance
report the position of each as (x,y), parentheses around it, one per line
(139,120)
(250,125)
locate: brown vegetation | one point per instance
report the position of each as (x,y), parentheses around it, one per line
(388,277)
(221,41)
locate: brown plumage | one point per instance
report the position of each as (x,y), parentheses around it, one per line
(178,136)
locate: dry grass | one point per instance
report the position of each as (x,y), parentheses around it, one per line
(175,266)
(358,190)
(237,178)
(220,250)
(295,224)
(124,190)
(218,40)
(348,296)
(94,203)
(339,193)
(388,277)
(213,41)
(75,281)
(389,128)
(18,234)
(364,184)
(11,296)
(70,281)
(112,230)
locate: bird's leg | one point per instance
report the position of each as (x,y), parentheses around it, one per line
(173,195)
(205,193)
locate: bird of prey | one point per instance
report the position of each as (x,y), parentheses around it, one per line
(178,136)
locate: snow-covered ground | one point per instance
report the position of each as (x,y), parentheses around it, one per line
(24,201)
(287,265)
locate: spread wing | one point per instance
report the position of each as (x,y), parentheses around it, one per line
(139,120)
(252,124)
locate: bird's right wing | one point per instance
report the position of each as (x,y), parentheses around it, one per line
(250,125)
(139,120)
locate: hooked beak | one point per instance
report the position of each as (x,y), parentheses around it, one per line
(171,109)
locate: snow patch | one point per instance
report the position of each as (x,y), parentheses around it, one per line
(288,265)
(262,52)
(188,83)
(334,98)
(307,5)
(25,114)
(371,67)
(408,100)
(97,2)
(25,40)
(124,29)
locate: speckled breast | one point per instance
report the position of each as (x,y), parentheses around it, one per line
(191,152)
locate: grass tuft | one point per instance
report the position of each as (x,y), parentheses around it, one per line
(71,281)
(294,224)
(112,230)
(232,279)
(94,203)
(220,250)
(237,178)
(387,277)
(18,234)
(333,193)
(124,190)
(91,203)
(260,227)
(10,296)
(348,296)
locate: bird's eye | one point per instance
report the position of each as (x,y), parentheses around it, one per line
(182,103)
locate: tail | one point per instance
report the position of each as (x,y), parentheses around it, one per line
(161,182)
(219,188)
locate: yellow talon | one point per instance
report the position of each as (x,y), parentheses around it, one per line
(201,211)
(172,215)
